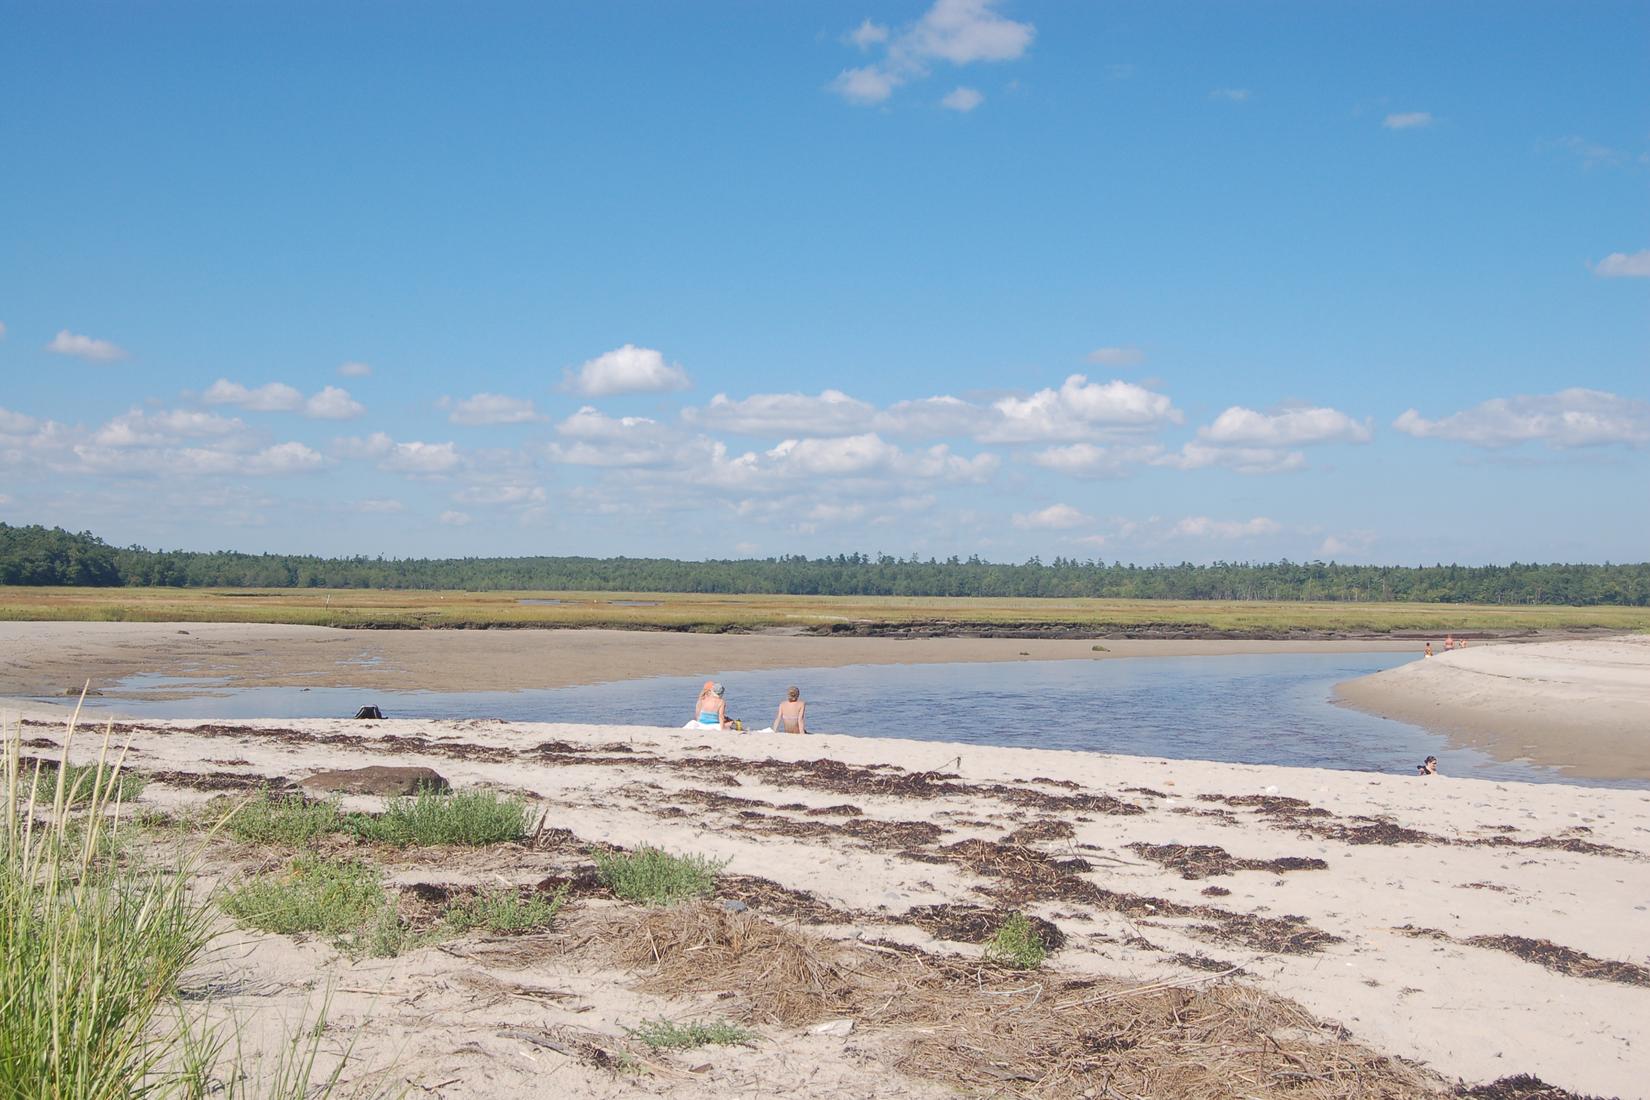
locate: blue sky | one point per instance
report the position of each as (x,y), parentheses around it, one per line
(1130,281)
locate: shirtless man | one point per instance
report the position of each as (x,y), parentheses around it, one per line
(790,718)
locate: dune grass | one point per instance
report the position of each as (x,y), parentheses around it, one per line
(326,896)
(653,876)
(288,821)
(664,1034)
(1016,944)
(505,912)
(474,818)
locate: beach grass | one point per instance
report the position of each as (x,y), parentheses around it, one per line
(664,1034)
(713,613)
(326,896)
(1016,944)
(290,821)
(653,876)
(473,818)
(505,912)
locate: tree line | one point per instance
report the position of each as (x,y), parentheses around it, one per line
(36,555)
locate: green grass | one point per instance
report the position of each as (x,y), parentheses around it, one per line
(1016,944)
(664,1035)
(331,897)
(472,818)
(291,821)
(652,876)
(84,783)
(505,912)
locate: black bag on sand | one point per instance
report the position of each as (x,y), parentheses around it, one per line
(369,712)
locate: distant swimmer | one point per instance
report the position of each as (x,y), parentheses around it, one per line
(791,717)
(1449,642)
(711,709)
(1430,767)
(1429,649)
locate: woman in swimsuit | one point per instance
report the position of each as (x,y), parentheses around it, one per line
(711,709)
(790,718)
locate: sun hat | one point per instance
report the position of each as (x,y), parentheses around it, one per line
(717,688)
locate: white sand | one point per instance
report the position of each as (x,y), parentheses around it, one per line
(1467,1011)
(1582,706)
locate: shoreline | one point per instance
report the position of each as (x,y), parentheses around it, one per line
(1403,923)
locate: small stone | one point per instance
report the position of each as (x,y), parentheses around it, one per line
(833,1027)
(734,905)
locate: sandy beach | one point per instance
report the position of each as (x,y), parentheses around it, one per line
(1580,706)
(1481,929)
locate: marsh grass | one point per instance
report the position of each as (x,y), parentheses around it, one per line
(1016,944)
(664,1034)
(329,897)
(505,912)
(653,876)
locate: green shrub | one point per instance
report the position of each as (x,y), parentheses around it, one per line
(662,1034)
(468,817)
(332,897)
(506,912)
(1016,944)
(293,821)
(653,876)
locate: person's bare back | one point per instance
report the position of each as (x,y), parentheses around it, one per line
(792,714)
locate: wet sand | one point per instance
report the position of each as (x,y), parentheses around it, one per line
(45,658)
(1481,929)
(1580,706)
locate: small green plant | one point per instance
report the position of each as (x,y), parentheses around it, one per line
(1099,649)
(1016,944)
(662,1034)
(291,821)
(469,817)
(85,783)
(653,876)
(332,897)
(505,912)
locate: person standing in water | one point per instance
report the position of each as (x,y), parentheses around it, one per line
(790,718)
(711,709)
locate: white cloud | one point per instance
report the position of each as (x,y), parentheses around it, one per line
(1570,418)
(1090,460)
(453,519)
(284,458)
(2,330)
(1291,427)
(333,403)
(962,99)
(868,34)
(380,506)
(352,369)
(831,412)
(1407,120)
(602,440)
(628,369)
(1625,265)
(500,495)
(138,428)
(1120,356)
(1355,545)
(84,347)
(494,408)
(1202,527)
(931,417)
(839,457)
(414,457)
(1077,410)
(1056,517)
(960,32)
(15,423)
(1231,95)
(1243,460)
(1590,153)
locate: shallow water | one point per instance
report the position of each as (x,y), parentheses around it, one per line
(1250,709)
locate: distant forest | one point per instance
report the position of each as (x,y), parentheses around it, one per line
(39,556)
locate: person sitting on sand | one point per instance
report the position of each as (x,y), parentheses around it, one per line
(790,718)
(711,709)
(1430,767)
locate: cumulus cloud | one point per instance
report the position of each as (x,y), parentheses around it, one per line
(840,457)
(1056,517)
(176,462)
(1120,356)
(1077,410)
(494,408)
(331,403)
(959,32)
(1570,418)
(284,458)
(1244,460)
(596,439)
(496,496)
(1407,120)
(138,428)
(84,347)
(415,457)
(628,369)
(1624,265)
(830,412)
(1238,426)
(16,423)
(1090,460)
(352,369)
(962,99)
(453,519)
(1202,527)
